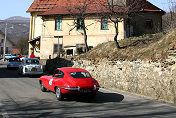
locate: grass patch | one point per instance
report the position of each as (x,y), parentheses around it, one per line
(151,47)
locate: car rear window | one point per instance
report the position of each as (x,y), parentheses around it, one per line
(28,62)
(79,75)
(14,60)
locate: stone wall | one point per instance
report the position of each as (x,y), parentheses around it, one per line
(153,80)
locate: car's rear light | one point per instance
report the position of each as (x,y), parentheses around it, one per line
(96,84)
(73,88)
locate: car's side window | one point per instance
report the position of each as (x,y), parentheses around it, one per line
(59,74)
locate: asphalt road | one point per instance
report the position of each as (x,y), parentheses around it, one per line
(20,97)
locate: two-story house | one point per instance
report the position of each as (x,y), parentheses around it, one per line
(52,26)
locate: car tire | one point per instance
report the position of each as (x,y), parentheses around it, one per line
(42,87)
(59,94)
(22,72)
(19,72)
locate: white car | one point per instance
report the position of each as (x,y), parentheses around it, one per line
(30,66)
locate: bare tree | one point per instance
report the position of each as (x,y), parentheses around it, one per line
(115,10)
(121,10)
(172,11)
(23,45)
(78,13)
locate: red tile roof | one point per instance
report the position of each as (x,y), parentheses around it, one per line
(42,5)
(150,7)
(60,7)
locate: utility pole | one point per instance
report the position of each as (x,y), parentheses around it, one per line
(4,49)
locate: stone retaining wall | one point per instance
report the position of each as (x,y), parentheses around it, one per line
(154,80)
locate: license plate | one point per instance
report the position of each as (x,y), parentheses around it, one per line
(85,90)
(33,69)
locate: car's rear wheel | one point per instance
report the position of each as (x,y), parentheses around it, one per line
(42,87)
(59,94)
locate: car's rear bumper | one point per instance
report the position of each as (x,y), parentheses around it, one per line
(32,73)
(80,91)
(13,66)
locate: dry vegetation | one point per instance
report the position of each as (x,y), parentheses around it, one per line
(152,47)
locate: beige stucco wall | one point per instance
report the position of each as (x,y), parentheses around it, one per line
(95,34)
(36,24)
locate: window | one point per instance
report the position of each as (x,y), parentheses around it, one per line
(104,24)
(56,48)
(2,40)
(149,24)
(79,24)
(34,61)
(58,24)
(58,74)
(79,75)
(69,52)
(14,60)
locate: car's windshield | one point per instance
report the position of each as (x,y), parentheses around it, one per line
(32,61)
(14,60)
(79,75)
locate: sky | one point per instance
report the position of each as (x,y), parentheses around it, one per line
(9,8)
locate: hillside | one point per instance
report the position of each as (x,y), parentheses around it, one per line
(152,47)
(17,27)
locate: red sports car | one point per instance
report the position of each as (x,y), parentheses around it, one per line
(69,81)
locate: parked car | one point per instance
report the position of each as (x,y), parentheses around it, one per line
(13,63)
(30,66)
(8,56)
(69,81)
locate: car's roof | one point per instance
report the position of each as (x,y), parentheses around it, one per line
(69,70)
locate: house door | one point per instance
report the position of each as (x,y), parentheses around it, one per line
(7,50)
(129,28)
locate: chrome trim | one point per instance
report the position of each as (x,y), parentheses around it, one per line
(72,89)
